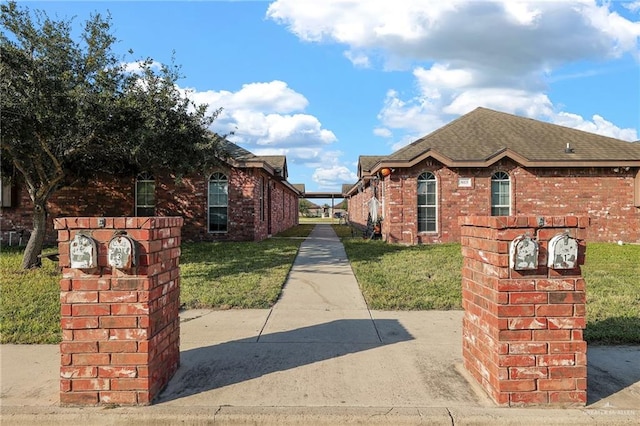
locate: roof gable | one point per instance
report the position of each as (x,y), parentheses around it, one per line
(367,162)
(277,162)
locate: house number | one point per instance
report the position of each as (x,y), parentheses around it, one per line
(121,252)
(563,252)
(82,252)
(523,253)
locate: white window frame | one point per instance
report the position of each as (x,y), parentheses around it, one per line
(500,177)
(145,178)
(427,177)
(217,177)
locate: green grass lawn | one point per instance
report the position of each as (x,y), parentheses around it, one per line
(29,300)
(251,275)
(394,277)
(235,275)
(612,273)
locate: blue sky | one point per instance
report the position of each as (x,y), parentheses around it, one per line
(323,82)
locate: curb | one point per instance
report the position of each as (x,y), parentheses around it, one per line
(154,415)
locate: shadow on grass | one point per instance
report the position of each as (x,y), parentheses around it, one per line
(363,250)
(214,260)
(613,331)
(360,249)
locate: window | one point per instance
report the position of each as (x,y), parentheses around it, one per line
(218,202)
(427,203)
(5,193)
(145,195)
(500,194)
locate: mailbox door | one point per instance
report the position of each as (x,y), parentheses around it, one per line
(121,252)
(524,254)
(563,252)
(83,252)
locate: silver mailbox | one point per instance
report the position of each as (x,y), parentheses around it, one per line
(563,252)
(83,253)
(523,253)
(121,252)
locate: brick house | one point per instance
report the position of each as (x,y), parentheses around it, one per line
(492,163)
(245,198)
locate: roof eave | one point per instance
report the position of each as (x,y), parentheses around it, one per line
(504,153)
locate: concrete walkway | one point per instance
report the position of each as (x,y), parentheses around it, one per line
(319,356)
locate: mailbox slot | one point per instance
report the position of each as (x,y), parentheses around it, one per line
(83,253)
(122,252)
(563,252)
(523,254)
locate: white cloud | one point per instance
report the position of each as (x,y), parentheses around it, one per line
(268,118)
(633,6)
(417,115)
(522,12)
(359,60)
(334,176)
(597,125)
(137,67)
(357,23)
(520,102)
(274,96)
(443,76)
(259,129)
(383,132)
(259,115)
(622,33)
(504,36)
(499,54)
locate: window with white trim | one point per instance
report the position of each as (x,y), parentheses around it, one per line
(218,202)
(145,195)
(427,203)
(500,194)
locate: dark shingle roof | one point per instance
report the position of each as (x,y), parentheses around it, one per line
(240,157)
(300,187)
(234,151)
(346,187)
(366,162)
(483,134)
(275,161)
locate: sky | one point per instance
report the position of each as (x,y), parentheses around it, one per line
(324,82)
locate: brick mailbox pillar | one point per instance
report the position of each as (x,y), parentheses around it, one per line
(120,324)
(523,323)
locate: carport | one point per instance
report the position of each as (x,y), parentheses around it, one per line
(324,196)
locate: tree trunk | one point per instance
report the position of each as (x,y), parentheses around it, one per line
(30,258)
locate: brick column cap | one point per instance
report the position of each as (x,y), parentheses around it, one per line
(147,222)
(539,221)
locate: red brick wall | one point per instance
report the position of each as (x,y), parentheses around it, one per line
(604,195)
(17,217)
(523,330)
(357,207)
(120,328)
(284,208)
(187,197)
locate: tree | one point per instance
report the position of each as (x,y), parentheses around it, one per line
(72,110)
(304,206)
